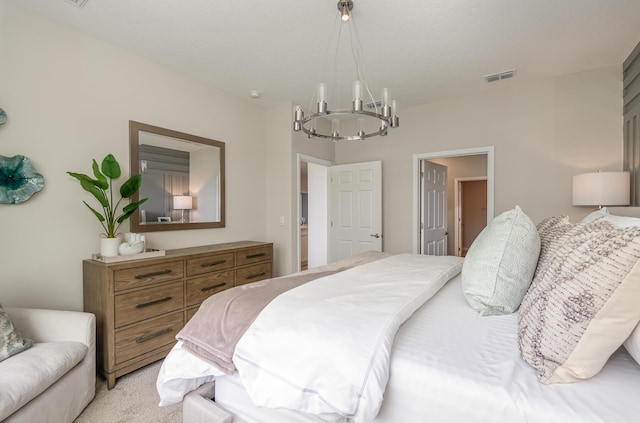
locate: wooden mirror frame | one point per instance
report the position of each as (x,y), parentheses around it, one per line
(134,157)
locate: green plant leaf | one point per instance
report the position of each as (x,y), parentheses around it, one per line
(82,177)
(125,216)
(110,167)
(99,215)
(131,186)
(89,186)
(101,180)
(133,206)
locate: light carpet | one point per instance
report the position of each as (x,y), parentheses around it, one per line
(133,399)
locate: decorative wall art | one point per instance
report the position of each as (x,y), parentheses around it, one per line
(18,179)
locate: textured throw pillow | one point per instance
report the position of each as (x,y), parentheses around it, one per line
(499,266)
(11,342)
(582,303)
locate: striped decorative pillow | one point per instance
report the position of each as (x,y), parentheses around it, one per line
(582,303)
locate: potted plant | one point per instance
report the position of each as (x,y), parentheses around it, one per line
(102,189)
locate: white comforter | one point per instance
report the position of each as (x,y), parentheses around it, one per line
(324,347)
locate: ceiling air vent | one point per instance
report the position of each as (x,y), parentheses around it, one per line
(78,3)
(498,76)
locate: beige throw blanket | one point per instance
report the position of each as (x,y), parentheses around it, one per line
(214,331)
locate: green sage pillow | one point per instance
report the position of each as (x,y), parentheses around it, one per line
(11,342)
(500,264)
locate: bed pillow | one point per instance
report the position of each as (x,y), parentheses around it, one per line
(582,303)
(632,344)
(500,264)
(11,342)
(621,221)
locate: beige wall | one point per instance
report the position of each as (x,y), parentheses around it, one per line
(69,98)
(543,133)
(278,192)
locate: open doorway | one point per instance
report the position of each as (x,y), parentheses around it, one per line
(460,164)
(313,187)
(470,216)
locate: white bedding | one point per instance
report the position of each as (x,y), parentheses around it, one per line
(324,346)
(448,364)
(451,365)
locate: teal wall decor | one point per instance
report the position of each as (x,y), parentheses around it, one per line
(18,179)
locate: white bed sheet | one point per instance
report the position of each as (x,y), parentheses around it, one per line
(450,364)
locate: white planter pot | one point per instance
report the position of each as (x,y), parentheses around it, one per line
(109,246)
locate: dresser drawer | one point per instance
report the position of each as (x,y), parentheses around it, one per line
(253,273)
(210,263)
(253,255)
(147,336)
(145,275)
(202,287)
(135,306)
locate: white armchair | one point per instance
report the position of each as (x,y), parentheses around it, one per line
(65,398)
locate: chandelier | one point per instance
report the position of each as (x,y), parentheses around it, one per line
(352,123)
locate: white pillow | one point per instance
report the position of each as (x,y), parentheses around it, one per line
(620,221)
(632,344)
(500,264)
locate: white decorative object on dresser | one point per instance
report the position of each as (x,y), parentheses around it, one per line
(140,305)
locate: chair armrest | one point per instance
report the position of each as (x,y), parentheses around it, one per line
(54,325)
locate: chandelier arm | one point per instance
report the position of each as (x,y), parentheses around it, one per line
(385,123)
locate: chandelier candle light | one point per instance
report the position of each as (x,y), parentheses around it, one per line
(385,111)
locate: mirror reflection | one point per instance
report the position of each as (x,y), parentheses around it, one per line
(182,177)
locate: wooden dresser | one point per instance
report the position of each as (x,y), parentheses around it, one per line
(140,305)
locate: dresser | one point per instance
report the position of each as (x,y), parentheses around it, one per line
(140,305)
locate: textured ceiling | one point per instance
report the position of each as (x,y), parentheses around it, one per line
(422,50)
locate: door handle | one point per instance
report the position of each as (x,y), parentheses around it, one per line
(376,235)
(446,233)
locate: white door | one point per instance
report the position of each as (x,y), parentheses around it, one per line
(356,209)
(434,209)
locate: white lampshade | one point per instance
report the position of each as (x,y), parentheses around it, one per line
(601,189)
(182,202)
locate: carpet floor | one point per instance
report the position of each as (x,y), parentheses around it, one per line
(133,399)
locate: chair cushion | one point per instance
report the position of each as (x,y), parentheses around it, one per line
(26,375)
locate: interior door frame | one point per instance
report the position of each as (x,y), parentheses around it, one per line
(309,159)
(488,151)
(457,213)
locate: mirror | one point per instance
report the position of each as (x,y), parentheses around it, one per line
(182,177)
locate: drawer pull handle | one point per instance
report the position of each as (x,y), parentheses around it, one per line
(141,339)
(154,302)
(213,263)
(250,256)
(209,288)
(255,275)
(149,275)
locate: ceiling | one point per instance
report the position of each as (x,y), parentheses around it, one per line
(422,50)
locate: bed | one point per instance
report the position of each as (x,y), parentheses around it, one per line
(447,362)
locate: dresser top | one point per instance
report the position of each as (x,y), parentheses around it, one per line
(213,248)
(181,253)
